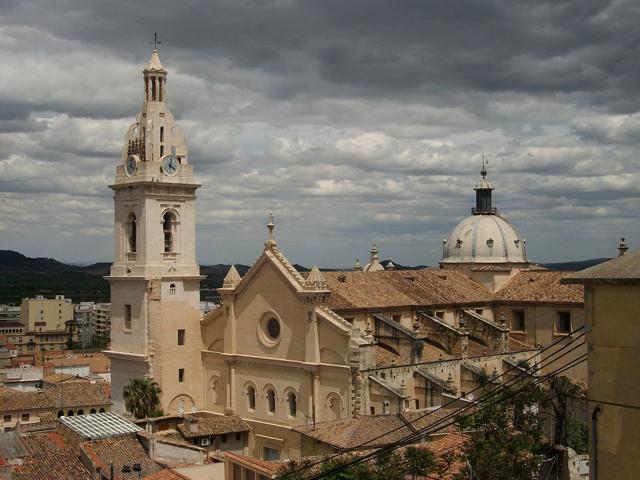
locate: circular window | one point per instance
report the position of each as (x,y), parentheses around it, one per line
(270,329)
(273,328)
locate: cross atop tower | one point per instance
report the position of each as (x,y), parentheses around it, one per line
(155,42)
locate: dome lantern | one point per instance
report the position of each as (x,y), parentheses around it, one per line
(483,194)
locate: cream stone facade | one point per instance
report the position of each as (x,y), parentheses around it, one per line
(274,354)
(286,348)
(155,279)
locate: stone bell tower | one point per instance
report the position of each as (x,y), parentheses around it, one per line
(155,280)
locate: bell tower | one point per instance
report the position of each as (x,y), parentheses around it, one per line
(155,280)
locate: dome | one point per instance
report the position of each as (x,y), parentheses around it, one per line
(484,239)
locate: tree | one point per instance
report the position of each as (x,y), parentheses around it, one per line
(510,442)
(419,462)
(142,398)
(563,391)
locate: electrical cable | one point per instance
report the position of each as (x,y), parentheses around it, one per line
(523,371)
(428,430)
(491,392)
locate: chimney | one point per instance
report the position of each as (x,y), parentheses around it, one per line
(191,422)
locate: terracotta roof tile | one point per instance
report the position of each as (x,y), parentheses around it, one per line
(212,424)
(120,451)
(429,286)
(363,432)
(52,458)
(540,286)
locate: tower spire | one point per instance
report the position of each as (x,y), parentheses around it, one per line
(155,75)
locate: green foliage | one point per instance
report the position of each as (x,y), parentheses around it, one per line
(419,462)
(577,434)
(510,442)
(563,391)
(98,342)
(142,398)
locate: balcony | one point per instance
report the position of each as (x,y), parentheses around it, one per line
(171,256)
(131,256)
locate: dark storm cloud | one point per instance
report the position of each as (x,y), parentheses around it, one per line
(366,119)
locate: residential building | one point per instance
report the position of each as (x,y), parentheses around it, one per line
(42,314)
(9,313)
(100,320)
(19,408)
(612,297)
(81,326)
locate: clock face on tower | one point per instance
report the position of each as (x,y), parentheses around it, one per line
(131,165)
(170,164)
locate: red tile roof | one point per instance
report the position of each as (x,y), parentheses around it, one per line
(540,286)
(429,286)
(52,458)
(120,451)
(212,424)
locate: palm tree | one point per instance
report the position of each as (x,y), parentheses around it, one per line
(142,398)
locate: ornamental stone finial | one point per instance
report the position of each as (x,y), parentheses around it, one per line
(271,242)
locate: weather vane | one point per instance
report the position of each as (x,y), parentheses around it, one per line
(155,42)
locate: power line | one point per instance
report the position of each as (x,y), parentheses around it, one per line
(428,430)
(523,371)
(487,395)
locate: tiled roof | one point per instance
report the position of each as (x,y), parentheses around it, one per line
(67,395)
(52,458)
(621,270)
(363,432)
(211,424)
(540,286)
(265,466)
(429,286)
(120,451)
(98,362)
(166,474)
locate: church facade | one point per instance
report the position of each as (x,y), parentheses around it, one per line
(289,349)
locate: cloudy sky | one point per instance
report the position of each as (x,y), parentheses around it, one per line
(353,121)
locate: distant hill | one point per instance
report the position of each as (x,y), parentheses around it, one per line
(23,276)
(574,266)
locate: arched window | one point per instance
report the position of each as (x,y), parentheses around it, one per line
(60,413)
(132,232)
(102,410)
(292,400)
(172,289)
(93,410)
(169,228)
(216,391)
(271,401)
(80,412)
(70,413)
(162,134)
(251,397)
